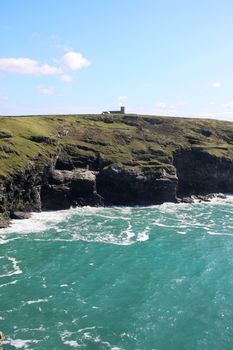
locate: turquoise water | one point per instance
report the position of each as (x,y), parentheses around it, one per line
(119,278)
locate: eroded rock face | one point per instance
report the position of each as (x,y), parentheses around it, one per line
(66,188)
(201,173)
(111,186)
(126,187)
(195,173)
(22,192)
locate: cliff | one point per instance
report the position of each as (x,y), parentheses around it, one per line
(53,162)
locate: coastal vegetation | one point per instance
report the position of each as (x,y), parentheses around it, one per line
(131,141)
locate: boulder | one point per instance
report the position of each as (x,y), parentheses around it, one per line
(20,215)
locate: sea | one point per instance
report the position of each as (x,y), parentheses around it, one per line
(140,278)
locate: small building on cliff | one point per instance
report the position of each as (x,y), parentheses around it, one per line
(121,111)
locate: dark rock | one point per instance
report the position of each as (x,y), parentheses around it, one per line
(64,163)
(193,140)
(5,135)
(22,191)
(132,120)
(55,197)
(70,158)
(204,198)
(153,120)
(70,188)
(221,195)
(127,187)
(206,132)
(8,150)
(200,173)
(188,200)
(4,221)
(201,198)
(43,139)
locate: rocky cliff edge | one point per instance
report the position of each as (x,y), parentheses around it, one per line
(54,162)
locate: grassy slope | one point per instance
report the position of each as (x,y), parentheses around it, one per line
(136,142)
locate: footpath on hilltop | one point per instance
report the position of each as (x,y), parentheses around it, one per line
(54,162)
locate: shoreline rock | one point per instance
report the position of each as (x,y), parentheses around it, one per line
(201,198)
(20,215)
(4,221)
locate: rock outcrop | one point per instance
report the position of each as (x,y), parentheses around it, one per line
(199,172)
(21,193)
(119,186)
(66,188)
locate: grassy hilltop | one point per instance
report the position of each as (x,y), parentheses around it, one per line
(130,141)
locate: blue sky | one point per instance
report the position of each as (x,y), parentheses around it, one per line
(166,57)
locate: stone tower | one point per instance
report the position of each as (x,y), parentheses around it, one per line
(122,109)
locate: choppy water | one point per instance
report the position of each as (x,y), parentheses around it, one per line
(119,278)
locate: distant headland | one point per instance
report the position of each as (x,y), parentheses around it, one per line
(55,162)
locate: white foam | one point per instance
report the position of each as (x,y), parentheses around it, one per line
(219,234)
(20,343)
(105,237)
(5,241)
(181,232)
(29,302)
(71,343)
(65,334)
(16,270)
(7,284)
(143,236)
(38,222)
(86,329)
(99,230)
(129,233)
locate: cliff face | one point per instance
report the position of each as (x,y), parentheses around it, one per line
(54,162)
(128,187)
(201,173)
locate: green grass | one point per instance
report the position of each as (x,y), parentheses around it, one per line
(133,142)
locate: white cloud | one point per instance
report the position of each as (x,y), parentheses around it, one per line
(74,60)
(228,105)
(70,61)
(46,69)
(27,66)
(216,84)
(46,90)
(66,78)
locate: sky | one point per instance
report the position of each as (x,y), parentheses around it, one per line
(160,57)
